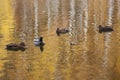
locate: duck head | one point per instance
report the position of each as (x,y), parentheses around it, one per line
(22,44)
(58,31)
(41,39)
(100,28)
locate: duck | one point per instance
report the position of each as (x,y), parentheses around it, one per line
(73,43)
(105,29)
(16,47)
(39,42)
(62,31)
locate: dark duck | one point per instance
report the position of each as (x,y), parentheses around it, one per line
(62,31)
(16,47)
(105,29)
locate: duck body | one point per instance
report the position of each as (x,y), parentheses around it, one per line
(105,29)
(73,43)
(62,31)
(39,41)
(36,42)
(16,47)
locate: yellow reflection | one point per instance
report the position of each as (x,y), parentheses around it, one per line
(6,18)
(6,28)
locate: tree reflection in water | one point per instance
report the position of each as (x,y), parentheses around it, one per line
(94,57)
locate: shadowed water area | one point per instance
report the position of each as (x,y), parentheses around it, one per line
(95,56)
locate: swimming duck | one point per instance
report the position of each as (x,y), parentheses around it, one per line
(61,31)
(39,41)
(73,43)
(16,47)
(105,29)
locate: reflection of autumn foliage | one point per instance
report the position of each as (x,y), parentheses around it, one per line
(94,56)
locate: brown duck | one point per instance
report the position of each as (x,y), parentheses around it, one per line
(16,47)
(105,29)
(62,31)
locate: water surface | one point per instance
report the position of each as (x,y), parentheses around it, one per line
(94,56)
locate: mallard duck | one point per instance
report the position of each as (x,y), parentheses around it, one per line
(61,31)
(39,41)
(105,29)
(16,47)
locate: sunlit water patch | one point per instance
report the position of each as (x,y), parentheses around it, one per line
(72,17)
(108,35)
(36,18)
(6,31)
(48,4)
(85,29)
(89,59)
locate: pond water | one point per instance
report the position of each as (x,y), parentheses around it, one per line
(95,56)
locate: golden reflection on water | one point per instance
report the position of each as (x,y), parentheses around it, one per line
(6,20)
(6,30)
(94,57)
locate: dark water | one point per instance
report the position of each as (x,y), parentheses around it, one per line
(94,56)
